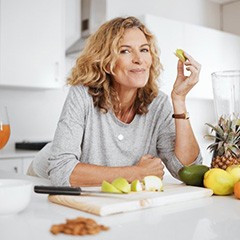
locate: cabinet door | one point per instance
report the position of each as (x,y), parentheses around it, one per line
(11,165)
(26,163)
(32,43)
(215,50)
(169,35)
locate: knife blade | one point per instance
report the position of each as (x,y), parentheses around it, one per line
(63,190)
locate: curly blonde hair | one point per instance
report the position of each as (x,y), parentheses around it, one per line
(100,54)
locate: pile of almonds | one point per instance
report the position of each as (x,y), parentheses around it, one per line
(78,226)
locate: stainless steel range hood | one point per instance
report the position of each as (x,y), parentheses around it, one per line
(93,14)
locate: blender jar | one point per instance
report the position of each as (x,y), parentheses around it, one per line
(226,93)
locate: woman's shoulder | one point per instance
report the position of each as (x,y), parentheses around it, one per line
(78,96)
(161,98)
(160,103)
(79,90)
(79,93)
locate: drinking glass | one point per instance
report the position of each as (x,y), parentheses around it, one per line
(226,92)
(4,127)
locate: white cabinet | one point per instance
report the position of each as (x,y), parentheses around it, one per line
(16,164)
(11,165)
(32,49)
(25,164)
(215,50)
(169,36)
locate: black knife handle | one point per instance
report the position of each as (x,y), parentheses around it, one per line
(58,190)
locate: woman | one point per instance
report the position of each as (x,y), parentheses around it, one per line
(115,121)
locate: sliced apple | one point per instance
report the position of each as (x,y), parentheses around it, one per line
(108,187)
(136,186)
(152,183)
(122,185)
(180,54)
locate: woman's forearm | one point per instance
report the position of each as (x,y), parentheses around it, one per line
(186,146)
(93,175)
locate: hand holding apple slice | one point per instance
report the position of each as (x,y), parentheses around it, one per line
(180,54)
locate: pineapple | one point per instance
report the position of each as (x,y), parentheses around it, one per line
(226,146)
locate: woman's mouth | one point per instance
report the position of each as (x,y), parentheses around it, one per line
(137,70)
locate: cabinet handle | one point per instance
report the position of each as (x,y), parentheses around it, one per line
(15,169)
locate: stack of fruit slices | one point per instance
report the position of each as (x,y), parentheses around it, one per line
(121,185)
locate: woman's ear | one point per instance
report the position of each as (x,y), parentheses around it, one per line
(107,69)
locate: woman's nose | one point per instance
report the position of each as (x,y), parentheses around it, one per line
(137,59)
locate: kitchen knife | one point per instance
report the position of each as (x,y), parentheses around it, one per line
(62,190)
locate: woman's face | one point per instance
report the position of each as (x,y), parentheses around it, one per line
(133,64)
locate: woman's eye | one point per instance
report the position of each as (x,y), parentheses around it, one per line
(124,51)
(145,50)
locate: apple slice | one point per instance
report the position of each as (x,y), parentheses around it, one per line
(108,187)
(136,186)
(152,183)
(122,185)
(180,54)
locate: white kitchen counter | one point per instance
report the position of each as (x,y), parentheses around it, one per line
(215,218)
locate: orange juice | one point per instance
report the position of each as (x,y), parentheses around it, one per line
(4,134)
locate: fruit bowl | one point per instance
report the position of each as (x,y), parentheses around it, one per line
(15,195)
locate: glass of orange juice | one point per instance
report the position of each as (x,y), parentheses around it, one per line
(4,127)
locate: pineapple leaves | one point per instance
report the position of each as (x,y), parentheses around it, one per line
(226,136)
(217,129)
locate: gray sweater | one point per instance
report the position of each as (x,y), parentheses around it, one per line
(84,134)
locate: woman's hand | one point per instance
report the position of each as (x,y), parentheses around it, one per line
(184,84)
(150,165)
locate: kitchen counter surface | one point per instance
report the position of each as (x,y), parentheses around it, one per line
(216,217)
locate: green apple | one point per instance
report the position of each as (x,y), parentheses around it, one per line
(122,185)
(234,170)
(108,187)
(136,186)
(180,54)
(152,183)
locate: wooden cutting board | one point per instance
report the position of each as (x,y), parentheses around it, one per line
(107,204)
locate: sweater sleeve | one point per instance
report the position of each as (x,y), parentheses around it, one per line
(66,146)
(166,141)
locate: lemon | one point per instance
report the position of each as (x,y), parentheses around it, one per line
(234,170)
(219,180)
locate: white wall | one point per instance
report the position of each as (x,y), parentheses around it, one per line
(34,113)
(200,12)
(231,17)
(202,111)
